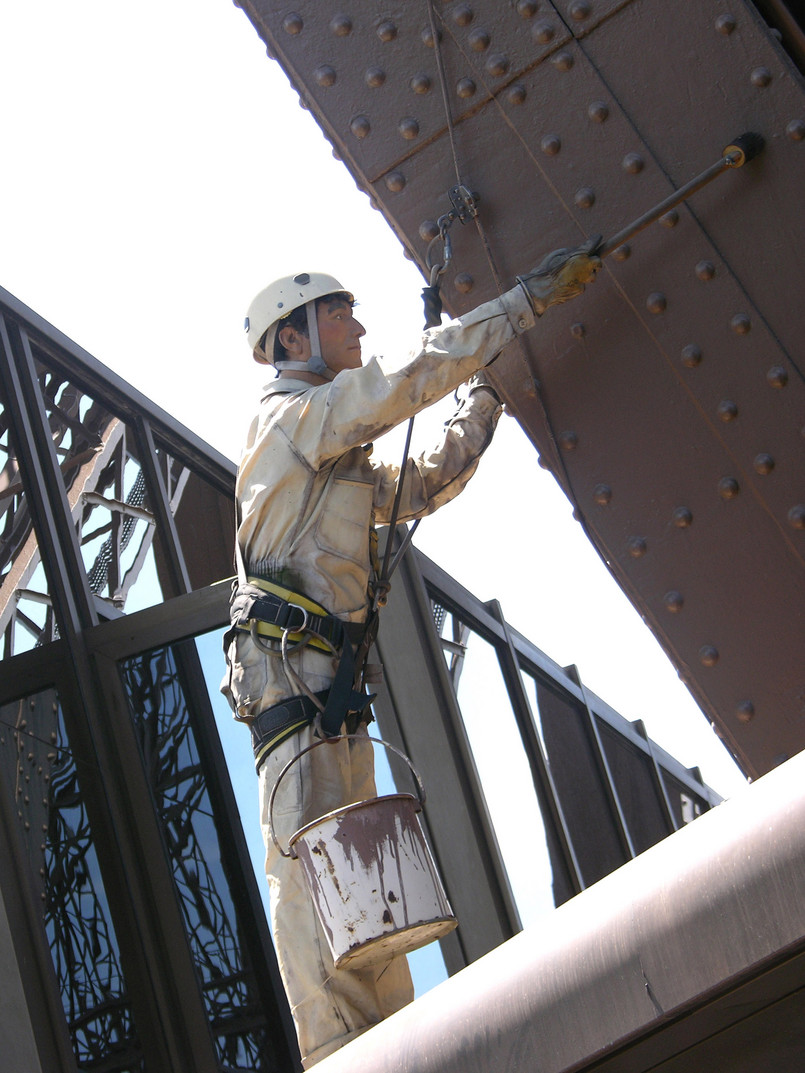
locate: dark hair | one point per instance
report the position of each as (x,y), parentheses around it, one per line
(297,319)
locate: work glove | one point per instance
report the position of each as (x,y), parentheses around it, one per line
(561,276)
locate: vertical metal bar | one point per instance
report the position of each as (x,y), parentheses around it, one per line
(659,781)
(148,918)
(160,503)
(418,712)
(252,926)
(538,762)
(603,766)
(24,912)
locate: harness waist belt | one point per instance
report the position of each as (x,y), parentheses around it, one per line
(278,610)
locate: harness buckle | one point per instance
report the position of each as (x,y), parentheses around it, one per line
(292,627)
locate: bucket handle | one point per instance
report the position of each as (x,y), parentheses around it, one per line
(330,741)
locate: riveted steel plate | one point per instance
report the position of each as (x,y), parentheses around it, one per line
(669,400)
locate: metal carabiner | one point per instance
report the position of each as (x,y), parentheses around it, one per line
(443,236)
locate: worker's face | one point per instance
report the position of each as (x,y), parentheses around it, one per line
(340,335)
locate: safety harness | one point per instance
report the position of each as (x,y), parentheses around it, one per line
(271,613)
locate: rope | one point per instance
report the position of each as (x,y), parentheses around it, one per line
(482,232)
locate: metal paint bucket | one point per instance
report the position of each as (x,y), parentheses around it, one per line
(371,875)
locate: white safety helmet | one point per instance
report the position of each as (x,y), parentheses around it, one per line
(277,301)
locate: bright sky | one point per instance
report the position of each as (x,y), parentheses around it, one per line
(157,172)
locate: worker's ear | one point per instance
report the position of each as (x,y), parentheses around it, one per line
(290,339)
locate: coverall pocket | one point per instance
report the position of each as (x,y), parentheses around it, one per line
(343,527)
(248,672)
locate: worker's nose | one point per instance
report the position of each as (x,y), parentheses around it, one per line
(358,328)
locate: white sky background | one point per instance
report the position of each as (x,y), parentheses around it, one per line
(158,171)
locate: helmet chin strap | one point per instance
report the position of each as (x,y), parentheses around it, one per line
(315,364)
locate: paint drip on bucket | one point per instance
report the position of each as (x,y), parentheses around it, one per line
(373,880)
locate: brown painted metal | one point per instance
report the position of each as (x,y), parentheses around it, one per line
(668,401)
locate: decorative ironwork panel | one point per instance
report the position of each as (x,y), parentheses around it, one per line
(38,768)
(193,843)
(107,492)
(668,401)
(26,609)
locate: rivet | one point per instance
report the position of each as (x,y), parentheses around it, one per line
(563,61)
(551,144)
(669,219)
(633,163)
(728,488)
(727,410)
(462,15)
(427,37)
(497,64)
(764,464)
(465,88)
(543,31)
(420,84)
(479,40)
(598,111)
(602,494)
(341,25)
(568,440)
(622,253)
(375,77)
(516,94)
(741,324)
(691,355)
(777,376)
(428,230)
(292,24)
(585,197)
(360,126)
(408,128)
(325,76)
(463,282)
(760,77)
(705,270)
(725,24)
(673,601)
(682,517)
(577,330)
(656,302)
(745,711)
(395,181)
(796,516)
(387,30)
(637,547)
(796,130)
(527,9)
(708,654)
(580,10)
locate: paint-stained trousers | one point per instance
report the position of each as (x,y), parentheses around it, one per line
(330,1006)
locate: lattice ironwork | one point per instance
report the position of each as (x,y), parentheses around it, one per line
(192,840)
(26,611)
(40,767)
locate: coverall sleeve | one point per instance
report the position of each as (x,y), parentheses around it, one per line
(434,478)
(361,404)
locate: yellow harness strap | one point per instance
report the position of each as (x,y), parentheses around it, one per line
(265,629)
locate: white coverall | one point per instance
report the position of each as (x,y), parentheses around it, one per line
(308,493)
